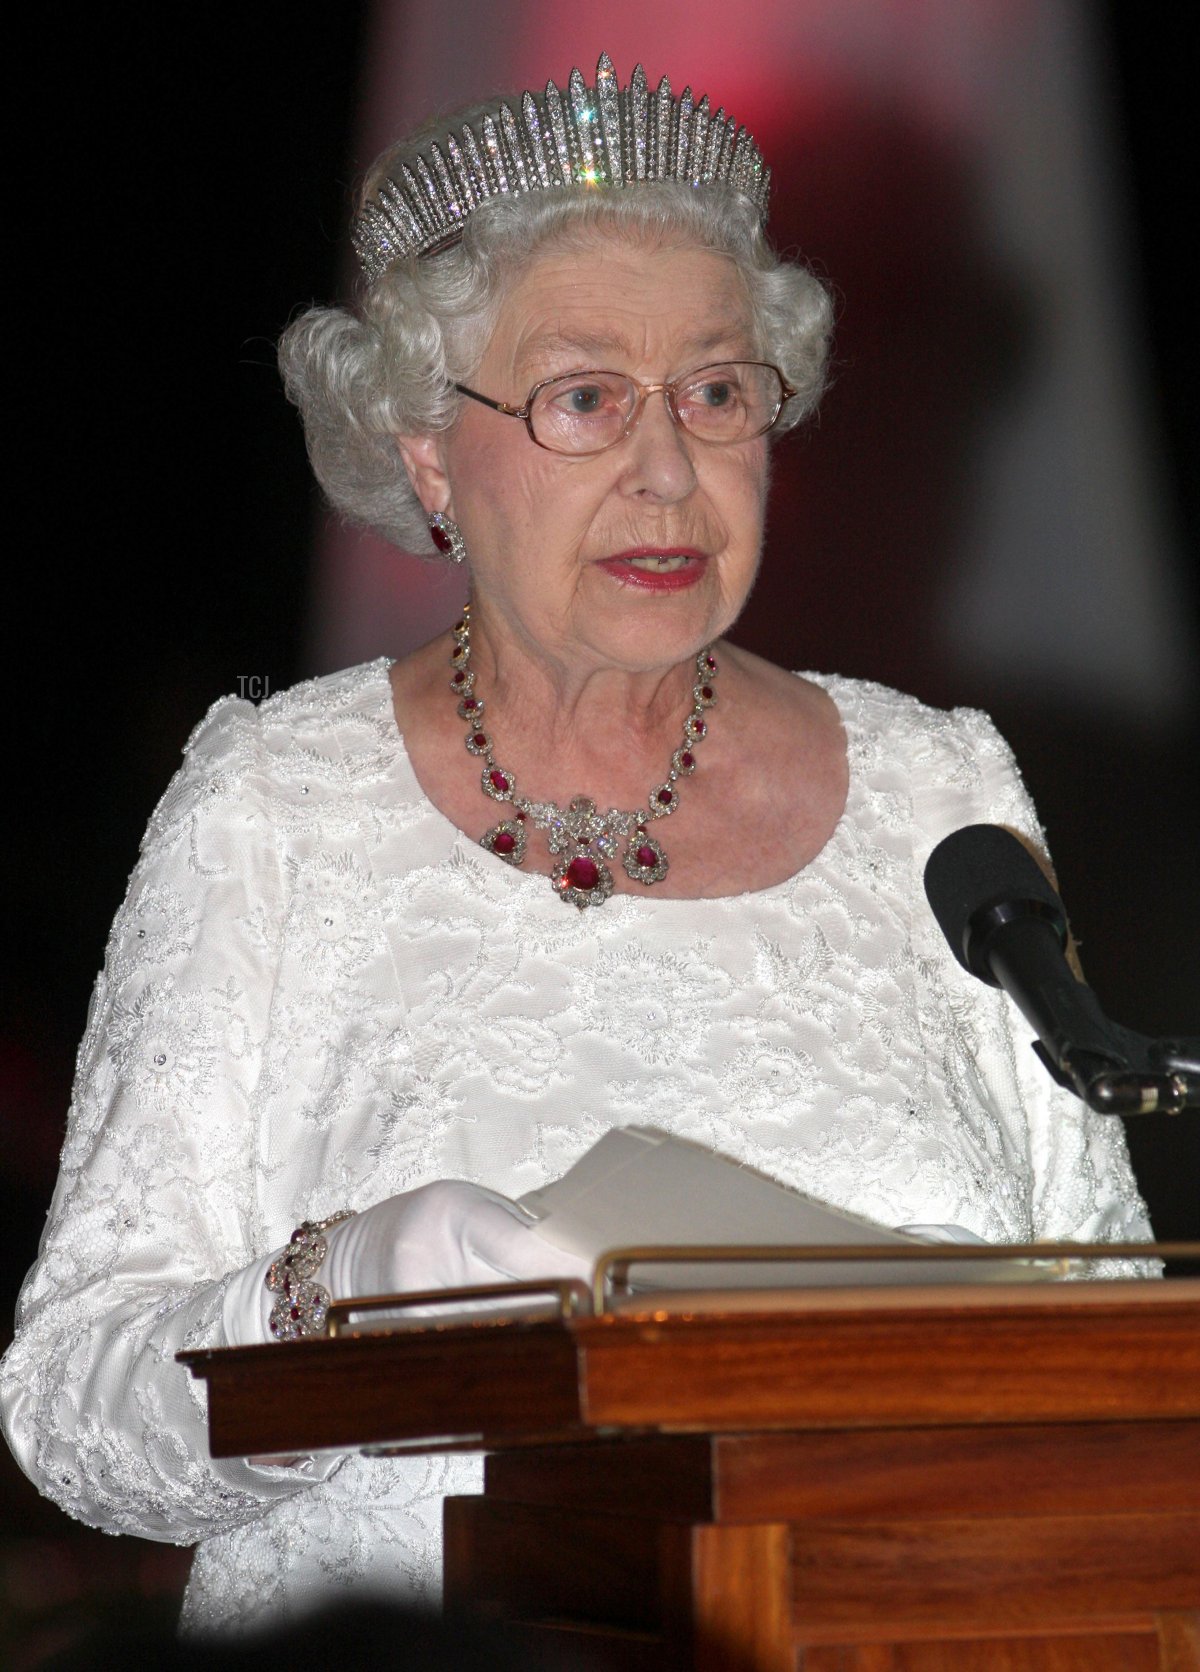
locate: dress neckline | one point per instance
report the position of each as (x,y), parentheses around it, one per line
(457,840)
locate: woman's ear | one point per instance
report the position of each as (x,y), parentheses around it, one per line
(422,455)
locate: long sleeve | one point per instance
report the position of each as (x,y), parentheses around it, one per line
(152,1237)
(1083,1187)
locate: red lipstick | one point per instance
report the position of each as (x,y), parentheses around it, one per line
(656,568)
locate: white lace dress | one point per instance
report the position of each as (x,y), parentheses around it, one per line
(318,993)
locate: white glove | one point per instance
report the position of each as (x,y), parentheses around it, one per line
(448,1235)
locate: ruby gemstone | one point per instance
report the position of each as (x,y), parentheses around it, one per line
(478,739)
(699,728)
(504,842)
(498,781)
(646,856)
(665,797)
(583,873)
(687,759)
(470,703)
(440,539)
(710,662)
(706,692)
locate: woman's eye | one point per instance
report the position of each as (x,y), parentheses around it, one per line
(583,401)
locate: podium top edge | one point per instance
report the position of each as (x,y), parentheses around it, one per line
(768,1309)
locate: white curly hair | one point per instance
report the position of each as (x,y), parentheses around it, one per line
(363,377)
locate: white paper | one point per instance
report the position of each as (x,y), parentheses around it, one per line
(639,1187)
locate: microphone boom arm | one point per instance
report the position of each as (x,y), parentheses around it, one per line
(1006,924)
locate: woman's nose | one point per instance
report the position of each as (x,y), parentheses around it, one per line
(657,451)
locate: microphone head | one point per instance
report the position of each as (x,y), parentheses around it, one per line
(980,878)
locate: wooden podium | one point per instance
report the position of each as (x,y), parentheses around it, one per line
(935,1480)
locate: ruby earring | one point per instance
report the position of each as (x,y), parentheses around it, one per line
(447,537)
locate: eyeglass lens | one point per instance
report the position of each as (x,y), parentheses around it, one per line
(586,412)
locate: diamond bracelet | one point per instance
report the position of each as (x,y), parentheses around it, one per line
(302,1304)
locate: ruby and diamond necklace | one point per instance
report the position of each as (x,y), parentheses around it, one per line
(582,839)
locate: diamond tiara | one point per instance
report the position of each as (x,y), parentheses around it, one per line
(600,136)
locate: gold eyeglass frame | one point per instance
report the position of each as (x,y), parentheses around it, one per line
(644,391)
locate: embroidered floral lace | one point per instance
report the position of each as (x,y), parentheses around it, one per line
(318,994)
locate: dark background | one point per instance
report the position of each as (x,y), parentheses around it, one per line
(184,187)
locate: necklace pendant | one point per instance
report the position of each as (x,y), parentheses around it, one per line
(645,860)
(582,880)
(506,840)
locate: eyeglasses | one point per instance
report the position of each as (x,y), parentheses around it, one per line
(588,412)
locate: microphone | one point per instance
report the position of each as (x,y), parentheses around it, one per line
(1006,925)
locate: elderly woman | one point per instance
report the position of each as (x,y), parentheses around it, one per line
(580,861)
